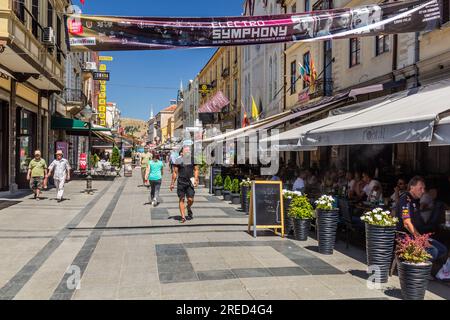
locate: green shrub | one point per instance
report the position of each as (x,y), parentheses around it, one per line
(235,188)
(301,208)
(115,157)
(218,181)
(227,184)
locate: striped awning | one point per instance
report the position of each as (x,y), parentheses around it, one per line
(215,104)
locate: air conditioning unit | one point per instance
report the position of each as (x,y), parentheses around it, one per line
(48,36)
(90,66)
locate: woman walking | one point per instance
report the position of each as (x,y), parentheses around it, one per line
(154,175)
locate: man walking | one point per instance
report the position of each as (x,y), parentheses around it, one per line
(61,171)
(186,174)
(37,172)
(145,158)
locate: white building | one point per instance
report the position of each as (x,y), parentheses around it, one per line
(191,103)
(112,116)
(262,67)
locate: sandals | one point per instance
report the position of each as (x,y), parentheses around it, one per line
(183,220)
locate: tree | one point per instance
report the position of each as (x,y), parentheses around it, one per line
(115,157)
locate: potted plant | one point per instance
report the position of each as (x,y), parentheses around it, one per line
(115,159)
(227,189)
(249,195)
(203,168)
(327,218)
(302,212)
(218,185)
(245,188)
(414,266)
(380,240)
(287,198)
(235,189)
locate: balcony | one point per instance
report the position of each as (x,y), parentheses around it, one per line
(324,87)
(225,72)
(25,54)
(74,98)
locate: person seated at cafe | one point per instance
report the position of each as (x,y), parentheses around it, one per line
(376,195)
(410,219)
(431,210)
(370,183)
(299,184)
(357,192)
(327,182)
(311,181)
(399,190)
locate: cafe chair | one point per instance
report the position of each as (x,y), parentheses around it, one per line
(352,224)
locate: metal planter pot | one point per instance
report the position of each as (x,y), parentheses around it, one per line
(380,242)
(327,222)
(413,279)
(226,195)
(288,221)
(301,229)
(235,198)
(218,191)
(244,199)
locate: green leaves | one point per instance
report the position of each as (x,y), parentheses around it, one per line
(218,181)
(227,184)
(235,186)
(301,208)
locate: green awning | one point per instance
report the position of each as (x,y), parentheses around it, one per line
(73,125)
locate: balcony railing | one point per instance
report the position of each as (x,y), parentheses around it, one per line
(75,97)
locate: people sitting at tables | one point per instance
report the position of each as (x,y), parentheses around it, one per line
(357,190)
(410,220)
(311,181)
(299,184)
(399,190)
(327,182)
(350,180)
(370,184)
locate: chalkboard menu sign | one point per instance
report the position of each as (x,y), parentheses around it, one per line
(266,206)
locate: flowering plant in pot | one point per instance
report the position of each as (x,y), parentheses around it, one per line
(287,198)
(245,184)
(380,240)
(227,189)
(414,265)
(302,212)
(218,185)
(327,217)
(235,192)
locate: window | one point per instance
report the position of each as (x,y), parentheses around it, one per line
(35,24)
(19,9)
(355,51)
(235,93)
(306,60)
(235,55)
(294,8)
(270,93)
(381,44)
(58,38)
(307,5)
(50,15)
(293,76)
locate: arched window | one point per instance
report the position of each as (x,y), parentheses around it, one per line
(270,79)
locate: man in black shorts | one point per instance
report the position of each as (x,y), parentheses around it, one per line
(187,173)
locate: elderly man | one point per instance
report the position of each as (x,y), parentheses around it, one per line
(61,172)
(37,171)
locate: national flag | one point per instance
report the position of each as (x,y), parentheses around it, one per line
(255,110)
(245,121)
(82,2)
(313,73)
(304,73)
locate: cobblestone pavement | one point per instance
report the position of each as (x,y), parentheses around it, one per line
(123,248)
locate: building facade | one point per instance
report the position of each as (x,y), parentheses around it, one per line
(165,124)
(32,79)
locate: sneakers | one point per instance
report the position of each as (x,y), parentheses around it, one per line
(190,214)
(155,202)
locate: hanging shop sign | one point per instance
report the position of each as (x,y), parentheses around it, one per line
(104,76)
(105,58)
(107,33)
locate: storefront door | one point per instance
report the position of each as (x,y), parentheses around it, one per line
(26,144)
(3,146)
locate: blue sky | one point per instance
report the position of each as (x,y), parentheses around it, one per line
(132,71)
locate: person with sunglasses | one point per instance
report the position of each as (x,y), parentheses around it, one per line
(399,190)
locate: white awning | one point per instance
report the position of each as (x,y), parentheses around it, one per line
(441,134)
(408,116)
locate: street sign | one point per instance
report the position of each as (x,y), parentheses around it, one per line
(105,58)
(104,76)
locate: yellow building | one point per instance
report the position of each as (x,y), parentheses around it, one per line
(32,57)
(222,76)
(165,123)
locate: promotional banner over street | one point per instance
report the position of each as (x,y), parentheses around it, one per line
(106,33)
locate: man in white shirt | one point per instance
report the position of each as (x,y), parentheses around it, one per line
(370,185)
(299,184)
(61,171)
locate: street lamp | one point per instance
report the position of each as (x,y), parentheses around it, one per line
(88,113)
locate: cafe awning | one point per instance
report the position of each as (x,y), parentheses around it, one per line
(215,104)
(282,118)
(408,116)
(74,126)
(441,134)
